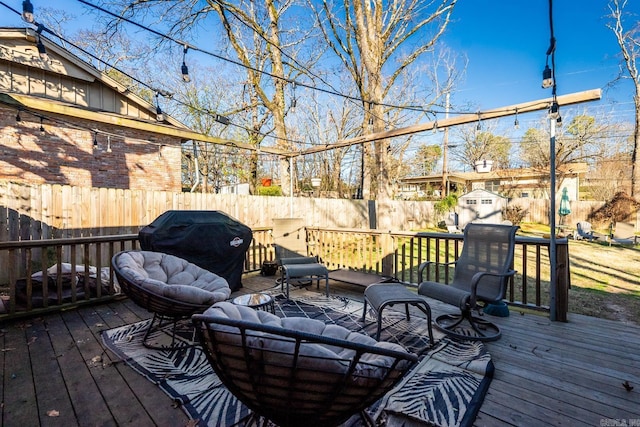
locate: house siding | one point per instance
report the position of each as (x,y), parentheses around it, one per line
(65,154)
(23,72)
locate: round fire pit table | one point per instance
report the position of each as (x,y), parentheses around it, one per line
(257,301)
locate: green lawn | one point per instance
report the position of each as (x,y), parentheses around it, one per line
(605,280)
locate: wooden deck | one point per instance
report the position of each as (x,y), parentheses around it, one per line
(55,371)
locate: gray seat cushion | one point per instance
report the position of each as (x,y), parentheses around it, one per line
(324,357)
(173,277)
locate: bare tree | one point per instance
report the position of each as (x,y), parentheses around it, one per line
(377,41)
(478,145)
(208,165)
(629,42)
(266,38)
(323,120)
(579,142)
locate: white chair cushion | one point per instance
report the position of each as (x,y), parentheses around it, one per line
(173,277)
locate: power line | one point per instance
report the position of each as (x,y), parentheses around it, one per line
(217,117)
(240,64)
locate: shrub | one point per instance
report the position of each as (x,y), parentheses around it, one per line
(447,204)
(621,207)
(515,214)
(272,190)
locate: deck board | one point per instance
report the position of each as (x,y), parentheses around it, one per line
(51,395)
(68,340)
(19,391)
(547,373)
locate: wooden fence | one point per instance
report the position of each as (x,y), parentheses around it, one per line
(33,212)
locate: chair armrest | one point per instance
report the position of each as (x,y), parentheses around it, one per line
(425,264)
(475,281)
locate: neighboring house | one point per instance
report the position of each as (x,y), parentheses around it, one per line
(65,122)
(512,183)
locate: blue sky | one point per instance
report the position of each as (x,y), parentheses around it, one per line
(506,42)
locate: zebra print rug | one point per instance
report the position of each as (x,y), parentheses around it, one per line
(446,388)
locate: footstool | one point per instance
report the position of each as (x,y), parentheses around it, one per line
(388,294)
(303,267)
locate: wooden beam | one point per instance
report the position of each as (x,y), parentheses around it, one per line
(47,106)
(525,107)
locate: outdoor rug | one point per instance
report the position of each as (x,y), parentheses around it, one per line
(445,388)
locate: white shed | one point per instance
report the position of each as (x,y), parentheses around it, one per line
(480,206)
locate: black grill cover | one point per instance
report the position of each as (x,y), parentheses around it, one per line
(210,239)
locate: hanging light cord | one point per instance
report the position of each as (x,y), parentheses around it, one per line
(552,50)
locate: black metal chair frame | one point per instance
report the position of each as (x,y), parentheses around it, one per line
(481,275)
(165,310)
(285,396)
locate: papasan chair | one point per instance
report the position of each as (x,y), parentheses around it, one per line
(168,286)
(297,371)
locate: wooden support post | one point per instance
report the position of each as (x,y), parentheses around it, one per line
(563,280)
(388,254)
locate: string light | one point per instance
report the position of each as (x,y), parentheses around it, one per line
(218,118)
(27,12)
(42,131)
(18,118)
(516,123)
(160,151)
(224,120)
(109,144)
(185,69)
(479,125)
(95,140)
(240,64)
(42,51)
(554,111)
(27,6)
(547,77)
(159,114)
(221,119)
(294,101)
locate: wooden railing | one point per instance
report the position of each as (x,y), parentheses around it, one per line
(78,271)
(399,254)
(395,254)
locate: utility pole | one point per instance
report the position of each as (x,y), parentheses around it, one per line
(445,144)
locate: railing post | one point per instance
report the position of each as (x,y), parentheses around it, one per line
(388,251)
(563,281)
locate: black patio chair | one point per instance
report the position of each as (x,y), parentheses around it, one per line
(481,275)
(297,371)
(169,287)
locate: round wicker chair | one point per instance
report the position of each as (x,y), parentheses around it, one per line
(297,371)
(168,286)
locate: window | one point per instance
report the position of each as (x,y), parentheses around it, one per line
(472,202)
(524,194)
(493,186)
(486,201)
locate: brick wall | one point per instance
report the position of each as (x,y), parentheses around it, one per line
(64,154)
